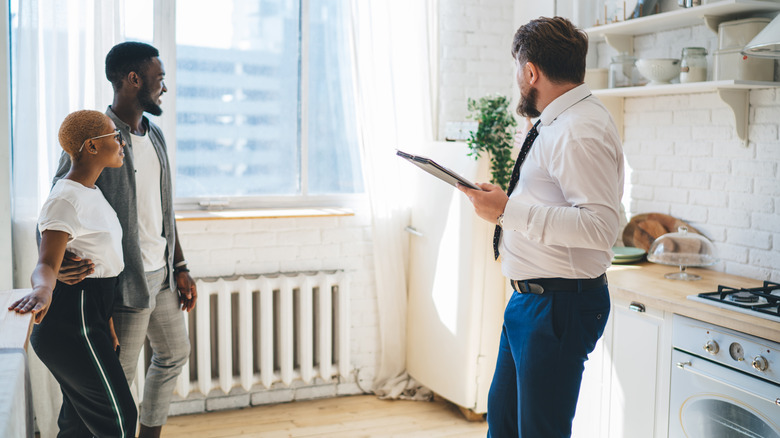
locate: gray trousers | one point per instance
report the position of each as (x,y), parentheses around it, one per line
(163,325)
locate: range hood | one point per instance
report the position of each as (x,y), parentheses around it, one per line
(767,43)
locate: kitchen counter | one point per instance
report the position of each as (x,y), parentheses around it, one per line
(645,283)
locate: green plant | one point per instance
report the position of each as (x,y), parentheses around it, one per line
(493,136)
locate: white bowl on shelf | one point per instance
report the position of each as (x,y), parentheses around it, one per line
(659,71)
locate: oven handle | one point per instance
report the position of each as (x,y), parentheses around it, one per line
(688,366)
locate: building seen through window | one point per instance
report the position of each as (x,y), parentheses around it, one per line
(264,99)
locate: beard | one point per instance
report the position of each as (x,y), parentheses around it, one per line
(147,103)
(527,105)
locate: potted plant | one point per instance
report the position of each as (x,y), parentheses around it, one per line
(493,136)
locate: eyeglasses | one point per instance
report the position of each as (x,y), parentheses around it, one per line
(117,136)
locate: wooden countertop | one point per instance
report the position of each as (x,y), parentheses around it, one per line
(645,283)
(15,328)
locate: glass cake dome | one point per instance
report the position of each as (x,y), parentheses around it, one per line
(682,249)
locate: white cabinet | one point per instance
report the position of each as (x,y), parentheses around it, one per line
(625,388)
(640,368)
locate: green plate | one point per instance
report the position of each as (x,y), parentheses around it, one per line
(627,261)
(627,252)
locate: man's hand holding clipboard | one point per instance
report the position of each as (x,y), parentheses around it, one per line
(488,199)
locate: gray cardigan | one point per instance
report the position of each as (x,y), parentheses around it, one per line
(118,186)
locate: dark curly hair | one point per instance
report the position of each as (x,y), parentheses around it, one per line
(126,57)
(79,126)
(555,46)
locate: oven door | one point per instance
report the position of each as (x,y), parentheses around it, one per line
(714,401)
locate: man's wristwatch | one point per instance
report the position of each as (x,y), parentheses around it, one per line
(500,220)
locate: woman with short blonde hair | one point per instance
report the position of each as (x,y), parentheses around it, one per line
(74,335)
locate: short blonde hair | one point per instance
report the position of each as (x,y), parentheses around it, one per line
(78,127)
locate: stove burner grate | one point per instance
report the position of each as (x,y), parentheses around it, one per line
(759,299)
(743,297)
(769,309)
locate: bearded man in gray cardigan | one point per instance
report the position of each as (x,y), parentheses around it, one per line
(155,286)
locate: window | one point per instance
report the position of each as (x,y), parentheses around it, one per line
(260,105)
(264,101)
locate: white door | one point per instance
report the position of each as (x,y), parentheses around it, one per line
(456,290)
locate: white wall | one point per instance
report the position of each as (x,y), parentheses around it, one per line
(475,38)
(687,161)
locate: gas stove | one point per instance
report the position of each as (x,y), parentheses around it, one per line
(763,302)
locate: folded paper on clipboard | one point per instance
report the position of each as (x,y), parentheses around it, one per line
(437,170)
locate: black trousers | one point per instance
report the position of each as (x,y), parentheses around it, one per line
(74,343)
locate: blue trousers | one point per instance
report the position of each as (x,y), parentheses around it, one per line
(545,342)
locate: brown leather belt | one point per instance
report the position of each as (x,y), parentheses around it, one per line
(541,285)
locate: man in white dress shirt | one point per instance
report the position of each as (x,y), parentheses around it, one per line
(555,230)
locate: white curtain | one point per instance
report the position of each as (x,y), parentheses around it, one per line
(392,78)
(58,53)
(59,48)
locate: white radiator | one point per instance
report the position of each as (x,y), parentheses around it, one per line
(265,329)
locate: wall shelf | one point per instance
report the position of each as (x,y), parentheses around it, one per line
(682,17)
(620,35)
(692,87)
(733,93)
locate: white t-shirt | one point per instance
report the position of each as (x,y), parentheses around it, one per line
(147,189)
(94,229)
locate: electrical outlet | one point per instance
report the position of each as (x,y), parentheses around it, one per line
(459,131)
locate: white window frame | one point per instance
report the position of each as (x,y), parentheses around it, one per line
(164,38)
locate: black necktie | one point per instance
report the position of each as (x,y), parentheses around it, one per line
(529,140)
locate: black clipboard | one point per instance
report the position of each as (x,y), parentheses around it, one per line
(437,170)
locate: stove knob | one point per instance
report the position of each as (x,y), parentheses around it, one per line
(760,363)
(711,347)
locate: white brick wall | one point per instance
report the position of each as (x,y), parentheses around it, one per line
(687,161)
(475,38)
(255,246)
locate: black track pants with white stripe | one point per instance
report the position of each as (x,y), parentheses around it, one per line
(74,342)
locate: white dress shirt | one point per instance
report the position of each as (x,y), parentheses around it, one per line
(563,216)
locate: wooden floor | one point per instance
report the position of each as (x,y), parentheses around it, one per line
(344,417)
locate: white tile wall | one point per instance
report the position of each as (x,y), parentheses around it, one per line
(686,161)
(475,38)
